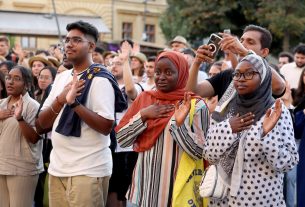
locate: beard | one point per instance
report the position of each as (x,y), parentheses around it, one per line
(118,76)
(300,65)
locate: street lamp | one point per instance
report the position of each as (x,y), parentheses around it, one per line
(57,22)
(144,34)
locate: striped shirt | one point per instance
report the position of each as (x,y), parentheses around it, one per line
(154,174)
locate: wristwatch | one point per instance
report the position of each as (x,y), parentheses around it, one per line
(20,119)
(75,104)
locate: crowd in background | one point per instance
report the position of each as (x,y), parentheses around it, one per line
(146,154)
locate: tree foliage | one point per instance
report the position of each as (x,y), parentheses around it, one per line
(284,19)
(196,19)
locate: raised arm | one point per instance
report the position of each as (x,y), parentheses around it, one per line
(130,88)
(204,88)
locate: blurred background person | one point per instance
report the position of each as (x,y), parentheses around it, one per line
(149,84)
(5,48)
(65,65)
(45,79)
(37,63)
(97,55)
(54,62)
(137,61)
(6,66)
(190,55)
(215,68)
(108,56)
(3,93)
(284,58)
(178,43)
(292,71)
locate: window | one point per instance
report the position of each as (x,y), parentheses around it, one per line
(28,42)
(150,32)
(127,30)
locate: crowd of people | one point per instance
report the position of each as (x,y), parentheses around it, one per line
(83,126)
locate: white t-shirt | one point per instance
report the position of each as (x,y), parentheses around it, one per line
(201,76)
(120,115)
(147,87)
(292,74)
(88,154)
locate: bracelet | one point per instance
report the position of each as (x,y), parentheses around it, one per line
(75,104)
(59,102)
(53,110)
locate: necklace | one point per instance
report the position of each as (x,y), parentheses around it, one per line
(81,73)
(11,104)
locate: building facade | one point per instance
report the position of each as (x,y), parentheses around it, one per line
(32,23)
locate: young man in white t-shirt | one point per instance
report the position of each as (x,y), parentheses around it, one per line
(292,71)
(80,162)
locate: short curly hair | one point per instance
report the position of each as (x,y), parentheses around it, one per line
(84,27)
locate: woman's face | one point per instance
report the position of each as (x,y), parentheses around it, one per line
(44,79)
(214,70)
(4,69)
(166,75)
(246,79)
(37,67)
(135,63)
(14,83)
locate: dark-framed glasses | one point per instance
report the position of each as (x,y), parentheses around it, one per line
(247,75)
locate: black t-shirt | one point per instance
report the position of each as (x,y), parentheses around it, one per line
(221,82)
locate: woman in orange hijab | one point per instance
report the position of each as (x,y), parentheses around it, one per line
(157,125)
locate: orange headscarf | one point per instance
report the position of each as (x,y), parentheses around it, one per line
(155,126)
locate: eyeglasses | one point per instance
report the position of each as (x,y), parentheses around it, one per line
(74,40)
(247,75)
(14,79)
(44,77)
(115,64)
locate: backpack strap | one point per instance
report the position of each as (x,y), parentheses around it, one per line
(192,111)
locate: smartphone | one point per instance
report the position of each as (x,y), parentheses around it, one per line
(214,44)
